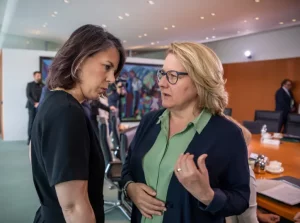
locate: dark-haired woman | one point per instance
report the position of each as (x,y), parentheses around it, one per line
(67,163)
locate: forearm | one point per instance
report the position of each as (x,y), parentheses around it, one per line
(80,213)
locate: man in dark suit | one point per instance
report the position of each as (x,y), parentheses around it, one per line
(33,94)
(285,100)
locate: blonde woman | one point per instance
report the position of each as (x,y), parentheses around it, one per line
(252,214)
(187,162)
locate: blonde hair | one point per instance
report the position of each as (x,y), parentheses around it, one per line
(246,133)
(206,71)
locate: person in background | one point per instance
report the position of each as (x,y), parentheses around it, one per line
(33,94)
(137,90)
(67,161)
(285,101)
(252,214)
(45,90)
(187,162)
(114,95)
(95,105)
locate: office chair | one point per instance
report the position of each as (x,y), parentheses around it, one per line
(228,111)
(293,125)
(112,173)
(115,134)
(253,126)
(272,119)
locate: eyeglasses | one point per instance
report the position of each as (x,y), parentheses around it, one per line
(172,75)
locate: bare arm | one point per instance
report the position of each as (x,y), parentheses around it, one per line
(74,201)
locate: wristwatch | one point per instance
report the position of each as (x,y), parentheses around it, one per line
(125,188)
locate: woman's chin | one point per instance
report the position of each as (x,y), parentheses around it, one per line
(166,105)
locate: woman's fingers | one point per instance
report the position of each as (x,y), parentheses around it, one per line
(151,210)
(146,215)
(155,202)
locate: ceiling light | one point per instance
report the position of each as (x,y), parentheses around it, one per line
(214,29)
(281,23)
(201,17)
(257,1)
(145,34)
(238,31)
(173,26)
(157,42)
(247,53)
(55,12)
(294,20)
(67,1)
(151,2)
(53,15)
(104,26)
(140,36)
(120,17)
(207,38)
(152,43)
(124,41)
(245,20)
(257,18)
(213,37)
(126,14)
(213,14)
(45,25)
(166,28)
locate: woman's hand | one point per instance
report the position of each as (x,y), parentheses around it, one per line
(144,199)
(268,218)
(194,180)
(297,218)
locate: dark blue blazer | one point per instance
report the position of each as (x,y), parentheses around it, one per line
(227,164)
(283,101)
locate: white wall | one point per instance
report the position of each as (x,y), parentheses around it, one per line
(278,44)
(18,67)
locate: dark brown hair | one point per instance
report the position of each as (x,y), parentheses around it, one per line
(36,72)
(285,81)
(84,42)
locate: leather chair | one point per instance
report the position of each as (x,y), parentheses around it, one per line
(112,173)
(126,138)
(272,119)
(253,126)
(228,111)
(115,134)
(293,125)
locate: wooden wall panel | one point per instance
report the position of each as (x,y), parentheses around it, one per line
(252,85)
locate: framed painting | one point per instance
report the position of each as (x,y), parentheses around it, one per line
(45,63)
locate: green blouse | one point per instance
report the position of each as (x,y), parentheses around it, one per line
(159,162)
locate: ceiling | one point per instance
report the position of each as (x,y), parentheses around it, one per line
(232,18)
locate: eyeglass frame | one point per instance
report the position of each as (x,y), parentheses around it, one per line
(161,71)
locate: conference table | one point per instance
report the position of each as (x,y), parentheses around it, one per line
(288,153)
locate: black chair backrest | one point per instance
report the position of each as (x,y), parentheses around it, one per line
(115,134)
(123,147)
(254,127)
(271,118)
(293,125)
(103,141)
(228,111)
(125,140)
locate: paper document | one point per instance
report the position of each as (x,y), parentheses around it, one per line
(279,190)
